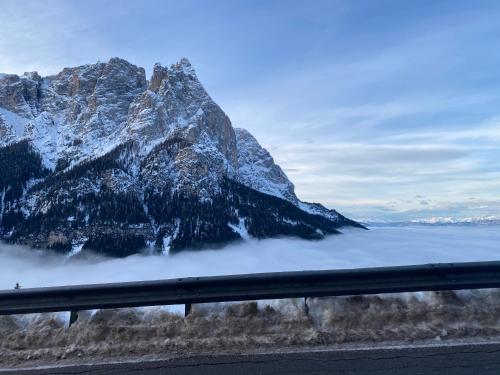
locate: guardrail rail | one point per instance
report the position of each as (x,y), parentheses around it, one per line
(304,284)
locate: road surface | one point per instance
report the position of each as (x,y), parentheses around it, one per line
(446,360)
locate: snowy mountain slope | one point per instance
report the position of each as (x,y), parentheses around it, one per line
(118,163)
(256,168)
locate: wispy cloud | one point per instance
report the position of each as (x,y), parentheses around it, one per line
(361,176)
(44,36)
(486,132)
(401,120)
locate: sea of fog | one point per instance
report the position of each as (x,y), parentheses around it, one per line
(386,246)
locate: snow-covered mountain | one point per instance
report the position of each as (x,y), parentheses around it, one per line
(99,157)
(438,221)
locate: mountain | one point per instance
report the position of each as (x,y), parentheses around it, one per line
(439,221)
(98,157)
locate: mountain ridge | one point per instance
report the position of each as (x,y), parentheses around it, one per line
(115,158)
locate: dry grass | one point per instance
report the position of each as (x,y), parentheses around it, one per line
(244,326)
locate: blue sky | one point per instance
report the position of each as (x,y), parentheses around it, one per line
(382,109)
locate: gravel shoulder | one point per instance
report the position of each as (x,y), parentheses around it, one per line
(422,358)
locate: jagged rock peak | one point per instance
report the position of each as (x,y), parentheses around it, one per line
(161,73)
(184,66)
(114,66)
(33,76)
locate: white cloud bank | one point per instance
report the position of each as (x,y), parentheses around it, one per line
(356,248)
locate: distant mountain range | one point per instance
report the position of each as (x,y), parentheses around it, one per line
(98,157)
(438,220)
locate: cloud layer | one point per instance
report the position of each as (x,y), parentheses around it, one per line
(356,248)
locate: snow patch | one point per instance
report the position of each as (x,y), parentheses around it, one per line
(315,209)
(2,205)
(16,122)
(241,229)
(77,246)
(167,240)
(45,136)
(166,245)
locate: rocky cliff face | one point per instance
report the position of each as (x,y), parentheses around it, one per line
(97,157)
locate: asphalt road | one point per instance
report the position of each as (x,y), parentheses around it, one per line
(453,360)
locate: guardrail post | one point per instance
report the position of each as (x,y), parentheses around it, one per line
(187,309)
(73,316)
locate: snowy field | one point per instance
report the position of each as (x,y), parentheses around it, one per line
(355,248)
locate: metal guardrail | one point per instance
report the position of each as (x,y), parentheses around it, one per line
(448,276)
